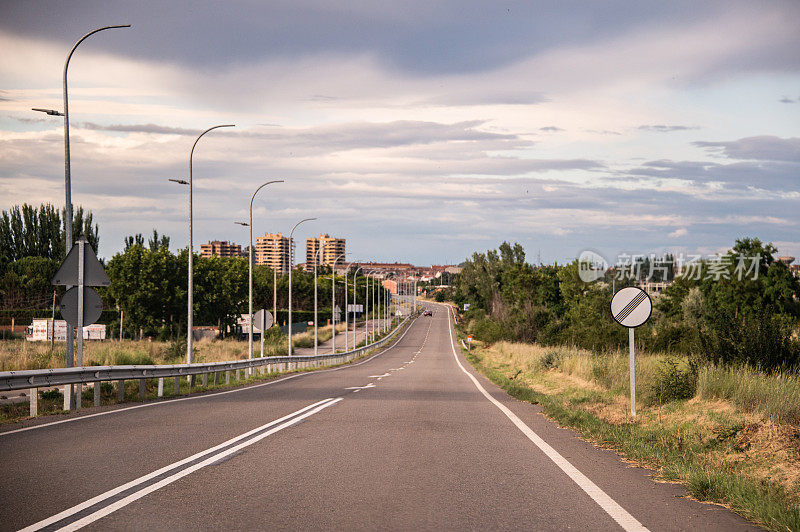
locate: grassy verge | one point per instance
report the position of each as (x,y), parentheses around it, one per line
(51,402)
(723,447)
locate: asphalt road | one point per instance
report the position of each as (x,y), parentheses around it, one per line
(405,440)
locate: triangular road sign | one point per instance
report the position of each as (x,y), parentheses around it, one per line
(93,272)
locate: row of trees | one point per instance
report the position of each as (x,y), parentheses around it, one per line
(149,282)
(27,231)
(722,316)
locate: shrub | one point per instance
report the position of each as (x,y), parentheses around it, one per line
(176,350)
(763,340)
(487,330)
(551,359)
(670,382)
(52,395)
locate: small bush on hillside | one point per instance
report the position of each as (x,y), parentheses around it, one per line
(551,359)
(602,371)
(52,395)
(672,383)
(487,330)
(176,350)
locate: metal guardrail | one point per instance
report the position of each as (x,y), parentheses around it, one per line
(40,378)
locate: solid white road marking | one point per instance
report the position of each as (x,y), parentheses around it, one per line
(611,507)
(212,457)
(380,376)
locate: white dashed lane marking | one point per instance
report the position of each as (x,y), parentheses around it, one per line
(356,389)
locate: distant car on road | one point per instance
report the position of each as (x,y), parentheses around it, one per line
(428,313)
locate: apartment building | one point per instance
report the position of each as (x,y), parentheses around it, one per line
(272,249)
(332,248)
(220,248)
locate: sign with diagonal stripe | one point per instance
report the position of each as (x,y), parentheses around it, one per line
(631,307)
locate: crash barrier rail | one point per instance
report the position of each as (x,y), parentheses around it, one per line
(41,378)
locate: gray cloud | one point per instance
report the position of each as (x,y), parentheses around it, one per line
(553,129)
(661,128)
(426,38)
(140,128)
(603,132)
(776,176)
(762,148)
(493,97)
(786,99)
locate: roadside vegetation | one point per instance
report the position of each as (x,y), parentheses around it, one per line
(718,386)
(722,434)
(16,355)
(146,352)
(148,290)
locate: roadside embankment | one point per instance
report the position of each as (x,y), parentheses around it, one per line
(730,435)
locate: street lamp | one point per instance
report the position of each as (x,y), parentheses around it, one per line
(250,276)
(355,298)
(369,332)
(346,312)
(190,292)
(68,197)
(333,303)
(291,267)
(320,245)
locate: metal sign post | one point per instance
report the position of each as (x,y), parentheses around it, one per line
(264,320)
(469,344)
(80,305)
(631,307)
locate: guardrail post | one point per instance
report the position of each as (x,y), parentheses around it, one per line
(97,391)
(161,386)
(177,386)
(33,395)
(205,380)
(216,376)
(67,397)
(227,377)
(191,381)
(141,389)
(237,374)
(120,391)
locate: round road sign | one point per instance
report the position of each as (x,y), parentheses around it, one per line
(92,306)
(631,307)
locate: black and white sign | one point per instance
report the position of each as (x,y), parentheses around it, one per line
(267,318)
(631,307)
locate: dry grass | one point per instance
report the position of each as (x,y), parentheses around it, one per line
(741,420)
(17,355)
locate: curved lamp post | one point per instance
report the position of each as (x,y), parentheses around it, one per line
(190,294)
(355,294)
(333,303)
(317,255)
(291,267)
(346,313)
(250,275)
(369,332)
(68,400)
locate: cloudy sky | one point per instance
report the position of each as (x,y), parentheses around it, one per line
(420,131)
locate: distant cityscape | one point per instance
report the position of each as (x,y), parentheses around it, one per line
(272,249)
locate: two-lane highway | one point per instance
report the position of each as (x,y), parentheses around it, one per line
(410,439)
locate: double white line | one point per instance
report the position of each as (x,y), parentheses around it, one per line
(98,507)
